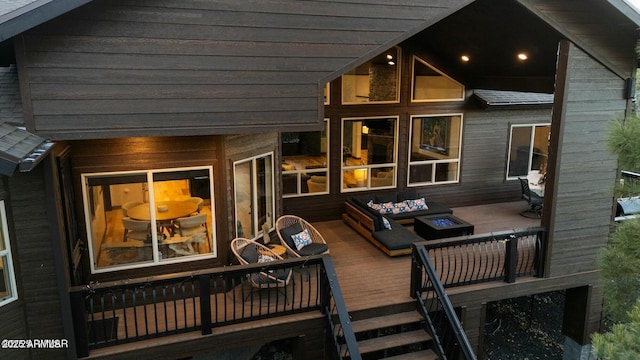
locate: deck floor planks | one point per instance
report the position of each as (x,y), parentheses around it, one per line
(368,278)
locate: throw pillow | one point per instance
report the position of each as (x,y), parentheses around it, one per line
(287,232)
(301,239)
(400,207)
(265,258)
(386,223)
(417,204)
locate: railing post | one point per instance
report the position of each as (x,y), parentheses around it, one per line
(541,253)
(205,303)
(79,319)
(510,259)
(416,273)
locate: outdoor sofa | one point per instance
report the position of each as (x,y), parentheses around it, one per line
(380,218)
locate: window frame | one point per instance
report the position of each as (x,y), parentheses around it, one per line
(398,64)
(156,259)
(413,83)
(10,275)
(532,126)
(457,160)
(369,167)
(259,230)
(300,172)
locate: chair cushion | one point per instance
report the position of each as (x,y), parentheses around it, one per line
(313,249)
(250,254)
(265,258)
(301,239)
(287,232)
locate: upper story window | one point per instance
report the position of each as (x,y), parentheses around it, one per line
(376,81)
(8,291)
(143,218)
(327,94)
(369,153)
(435,149)
(528,150)
(305,168)
(430,84)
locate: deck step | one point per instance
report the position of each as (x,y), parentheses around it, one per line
(392,341)
(418,355)
(380,322)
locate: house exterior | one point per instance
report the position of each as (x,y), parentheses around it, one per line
(104,103)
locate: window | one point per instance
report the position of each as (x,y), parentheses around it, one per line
(8,291)
(528,150)
(327,93)
(145,218)
(305,167)
(434,154)
(369,153)
(254,196)
(376,81)
(430,84)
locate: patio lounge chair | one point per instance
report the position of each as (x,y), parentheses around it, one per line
(533,199)
(251,252)
(290,227)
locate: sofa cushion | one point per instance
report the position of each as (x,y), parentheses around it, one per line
(385,197)
(313,249)
(408,195)
(398,237)
(287,232)
(301,239)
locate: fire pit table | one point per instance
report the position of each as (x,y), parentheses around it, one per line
(433,227)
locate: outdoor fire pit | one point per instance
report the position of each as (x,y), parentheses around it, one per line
(433,227)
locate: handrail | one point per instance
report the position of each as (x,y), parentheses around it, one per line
(118,312)
(441,319)
(344,338)
(503,255)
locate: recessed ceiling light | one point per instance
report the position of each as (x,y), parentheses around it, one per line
(465,58)
(391,63)
(389,57)
(523,56)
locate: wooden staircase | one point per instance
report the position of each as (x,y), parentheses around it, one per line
(398,336)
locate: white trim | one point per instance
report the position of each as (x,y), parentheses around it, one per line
(9,271)
(533,127)
(457,160)
(154,238)
(398,65)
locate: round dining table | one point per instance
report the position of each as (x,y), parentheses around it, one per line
(165,210)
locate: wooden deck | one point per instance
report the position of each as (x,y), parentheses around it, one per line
(369,278)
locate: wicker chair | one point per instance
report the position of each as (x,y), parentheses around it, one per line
(288,225)
(249,252)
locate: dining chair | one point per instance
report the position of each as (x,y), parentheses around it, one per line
(136,229)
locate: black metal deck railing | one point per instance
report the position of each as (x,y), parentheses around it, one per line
(488,257)
(441,321)
(119,312)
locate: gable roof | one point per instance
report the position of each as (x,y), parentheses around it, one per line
(18,16)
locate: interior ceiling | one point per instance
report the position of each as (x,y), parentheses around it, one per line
(492,33)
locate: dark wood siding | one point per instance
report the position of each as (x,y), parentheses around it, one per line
(595,26)
(581,200)
(128,68)
(483,167)
(37,314)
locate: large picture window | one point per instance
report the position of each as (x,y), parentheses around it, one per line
(305,162)
(369,153)
(254,196)
(144,218)
(528,150)
(8,291)
(376,81)
(434,154)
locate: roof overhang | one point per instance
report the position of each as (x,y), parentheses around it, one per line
(27,15)
(511,99)
(20,149)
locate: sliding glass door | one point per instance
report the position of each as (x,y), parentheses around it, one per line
(254,200)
